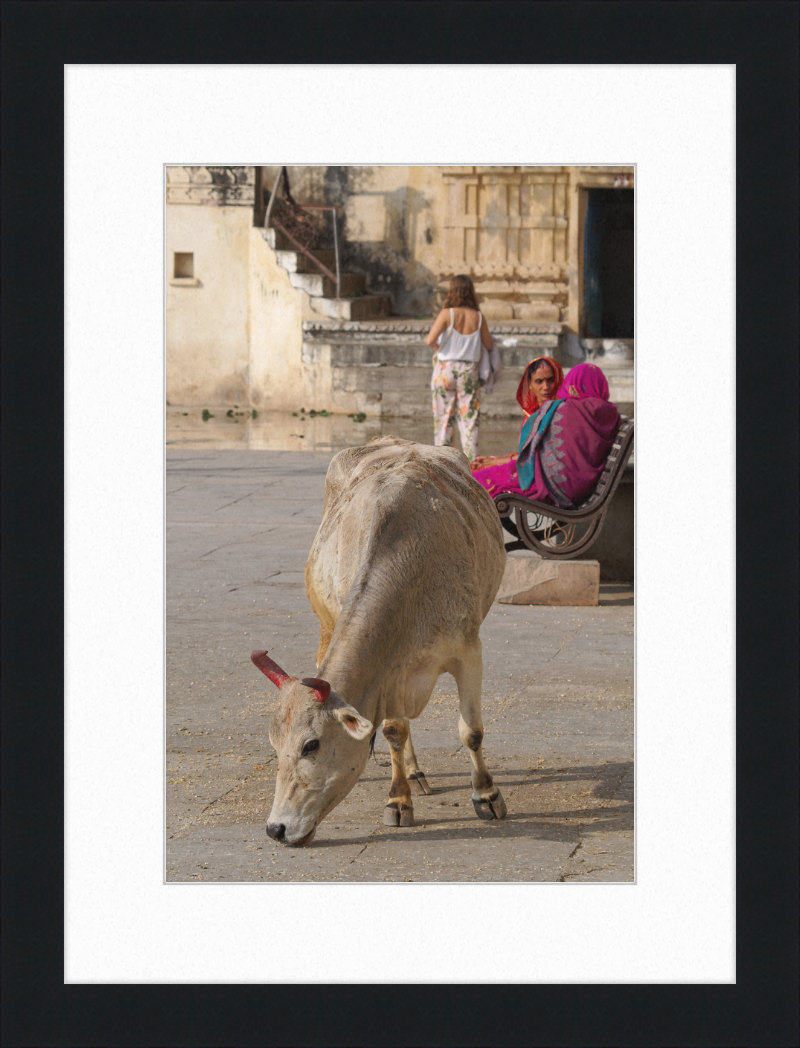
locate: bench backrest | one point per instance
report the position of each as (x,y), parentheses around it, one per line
(615,463)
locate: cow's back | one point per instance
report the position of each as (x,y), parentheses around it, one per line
(405,524)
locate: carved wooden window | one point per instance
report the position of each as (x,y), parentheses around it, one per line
(506,221)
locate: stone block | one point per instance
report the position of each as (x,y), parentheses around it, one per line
(295,262)
(317,284)
(354,308)
(385,379)
(546,311)
(530,579)
(495,310)
(374,354)
(610,352)
(620,384)
(277,241)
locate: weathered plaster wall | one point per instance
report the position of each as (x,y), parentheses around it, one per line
(277,310)
(389,225)
(234,330)
(207,358)
(515,230)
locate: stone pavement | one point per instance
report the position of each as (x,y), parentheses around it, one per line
(557,706)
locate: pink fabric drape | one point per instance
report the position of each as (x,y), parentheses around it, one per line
(571,455)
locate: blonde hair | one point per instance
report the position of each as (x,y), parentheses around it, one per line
(461,293)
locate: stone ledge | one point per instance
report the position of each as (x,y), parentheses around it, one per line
(363,328)
(218,186)
(408,351)
(530,579)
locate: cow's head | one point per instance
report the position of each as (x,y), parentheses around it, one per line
(321,743)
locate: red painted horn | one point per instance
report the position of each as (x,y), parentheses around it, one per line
(270,668)
(321,687)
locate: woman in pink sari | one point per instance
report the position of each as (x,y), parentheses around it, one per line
(564,442)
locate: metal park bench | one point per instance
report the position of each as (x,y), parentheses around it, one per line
(566,533)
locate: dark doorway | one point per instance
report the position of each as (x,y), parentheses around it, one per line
(608,264)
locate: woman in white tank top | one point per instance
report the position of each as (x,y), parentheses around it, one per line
(460,332)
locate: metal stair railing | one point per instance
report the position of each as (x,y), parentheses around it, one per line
(277,224)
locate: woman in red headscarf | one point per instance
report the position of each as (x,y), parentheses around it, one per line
(565,439)
(542,377)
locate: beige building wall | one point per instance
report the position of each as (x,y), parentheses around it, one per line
(207,323)
(514,230)
(234,328)
(277,310)
(392,221)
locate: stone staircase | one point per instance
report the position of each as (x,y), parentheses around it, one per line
(355,302)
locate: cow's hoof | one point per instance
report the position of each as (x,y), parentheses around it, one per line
(492,807)
(395,814)
(419,783)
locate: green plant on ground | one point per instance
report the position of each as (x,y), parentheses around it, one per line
(254,413)
(206,415)
(358,416)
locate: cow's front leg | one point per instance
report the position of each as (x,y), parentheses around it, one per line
(399,811)
(486,797)
(416,778)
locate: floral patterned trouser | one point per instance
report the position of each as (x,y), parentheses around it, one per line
(456,391)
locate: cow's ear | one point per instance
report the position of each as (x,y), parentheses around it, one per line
(356,725)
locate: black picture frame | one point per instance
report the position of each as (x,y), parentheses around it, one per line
(37,40)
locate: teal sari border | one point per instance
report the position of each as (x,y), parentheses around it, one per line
(525,468)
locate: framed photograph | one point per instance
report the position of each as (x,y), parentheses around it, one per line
(665,91)
(688,950)
(303,305)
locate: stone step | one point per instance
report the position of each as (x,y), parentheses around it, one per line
(277,240)
(401,354)
(526,348)
(416,403)
(529,579)
(319,286)
(408,352)
(395,396)
(407,391)
(620,384)
(296,262)
(381,358)
(417,357)
(376,379)
(365,307)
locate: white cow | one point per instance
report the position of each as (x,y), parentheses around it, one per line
(403,570)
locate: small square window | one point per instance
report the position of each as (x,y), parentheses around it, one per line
(184,264)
